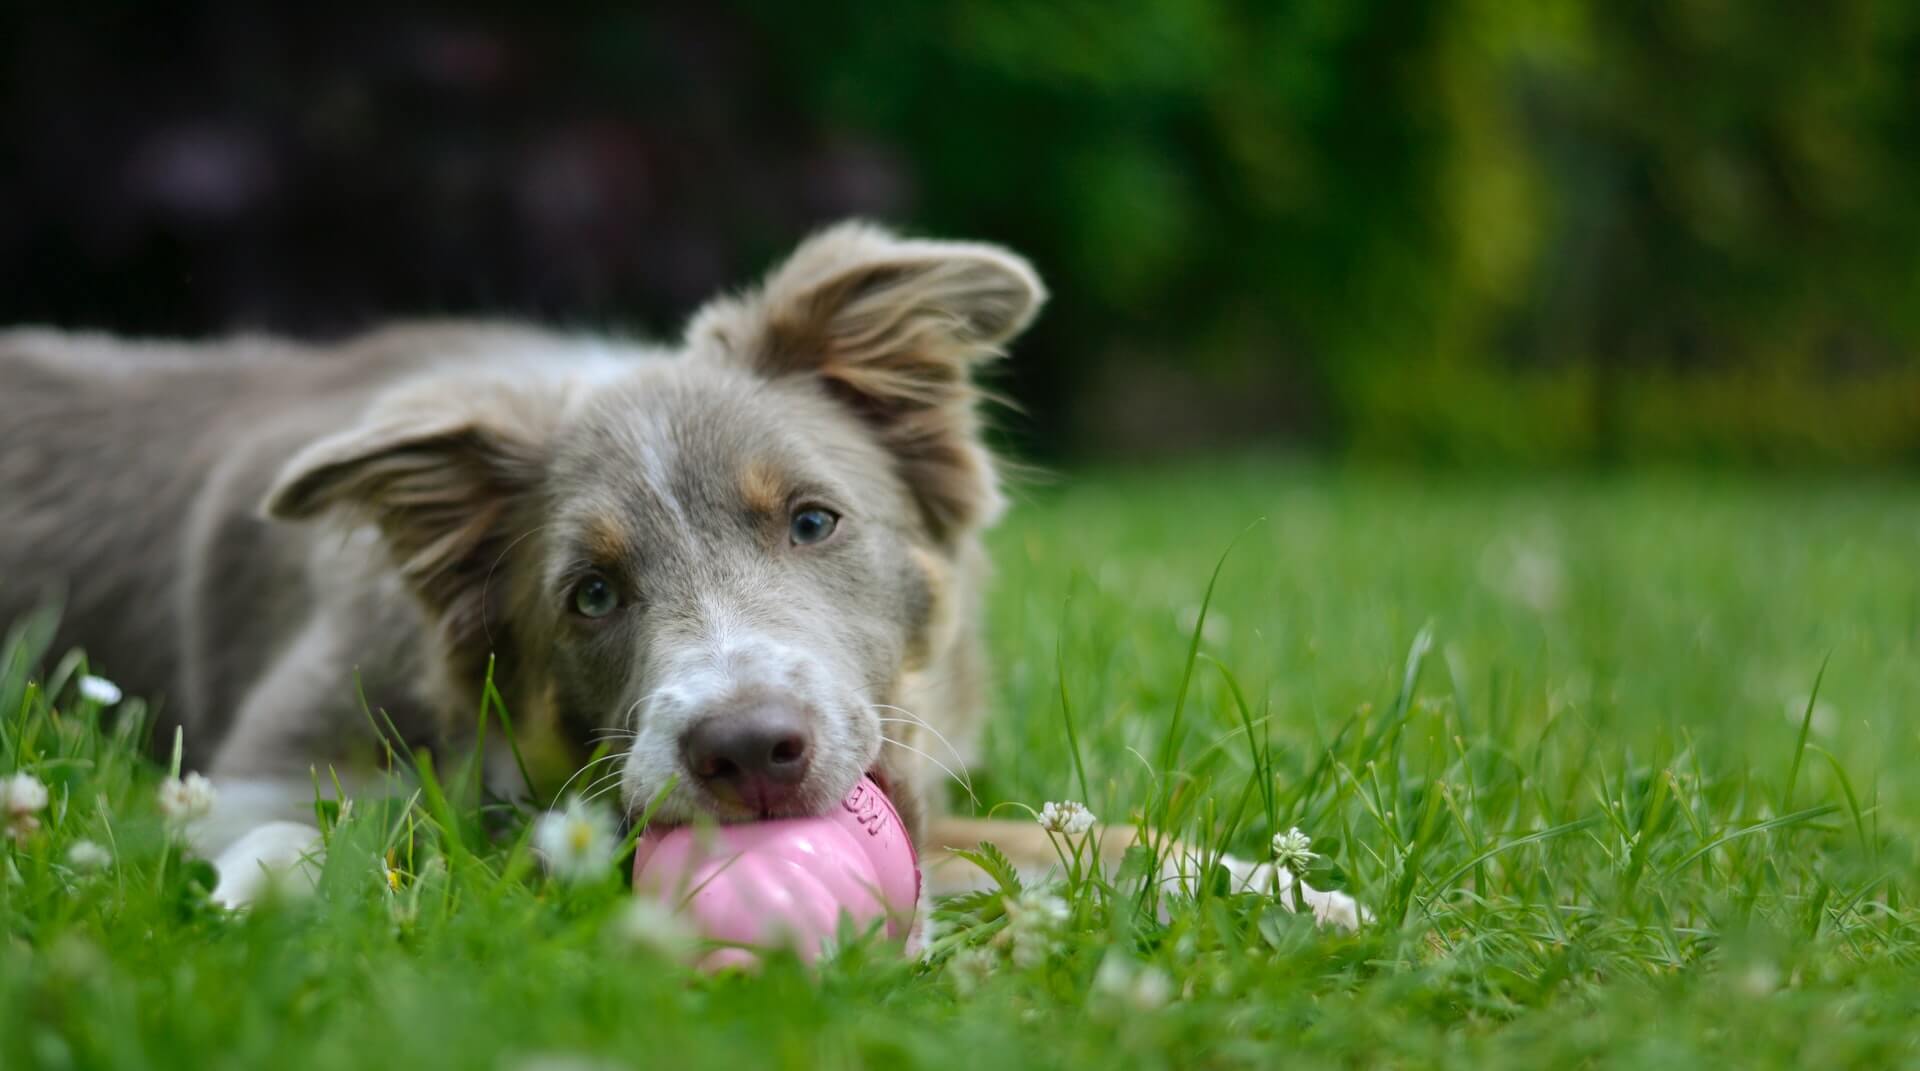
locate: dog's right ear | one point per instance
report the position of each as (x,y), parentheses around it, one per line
(441,490)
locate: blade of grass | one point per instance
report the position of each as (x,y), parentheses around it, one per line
(1066,702)
(1156,833)
(1846,787)
(506,727)
(1531,838)
(1261,753)
(452,833)
(1806,723)
(1747,831)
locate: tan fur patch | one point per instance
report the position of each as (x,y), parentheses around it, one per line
(762,489)
(607,538)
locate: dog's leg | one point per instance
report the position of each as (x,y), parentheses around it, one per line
(273,855)
(1033,853)
(255,838)
(261,832)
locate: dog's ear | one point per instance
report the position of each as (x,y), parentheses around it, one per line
(442,491)
(894,328)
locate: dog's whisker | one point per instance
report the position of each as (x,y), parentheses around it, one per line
(608,757)
(964,783)
(598,784)
(937,735)
(928,726)
(634,707)
(561,793)
(595,791)
(615,775)
(612,734)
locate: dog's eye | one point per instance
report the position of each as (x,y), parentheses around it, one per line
(594,596)
(811,525)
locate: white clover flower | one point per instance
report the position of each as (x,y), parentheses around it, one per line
(577,842)
(1152,989)
(88,857)
(653,926)
(1039,909)
(99,690)
(1759,979)
(22,795)
(403,912)
(969,968)
(186,799)
(1066,816)
(1290,850)
(1030,947)
(1033,920)
(1133,987)
(1114,977)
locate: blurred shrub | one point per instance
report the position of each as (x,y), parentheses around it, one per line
(1559,230)
(1760,416)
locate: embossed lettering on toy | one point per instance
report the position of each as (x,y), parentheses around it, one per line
(869,809)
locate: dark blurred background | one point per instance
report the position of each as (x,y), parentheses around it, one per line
(1554,231)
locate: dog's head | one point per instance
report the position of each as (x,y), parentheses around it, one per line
(733,553)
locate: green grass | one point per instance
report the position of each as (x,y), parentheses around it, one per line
(1559,734)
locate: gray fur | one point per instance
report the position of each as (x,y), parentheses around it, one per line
(242,527)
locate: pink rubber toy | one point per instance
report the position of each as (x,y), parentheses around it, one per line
(787,881)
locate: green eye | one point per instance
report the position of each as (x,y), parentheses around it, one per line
(594,596)
(812,525)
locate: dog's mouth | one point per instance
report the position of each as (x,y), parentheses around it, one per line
(728,808)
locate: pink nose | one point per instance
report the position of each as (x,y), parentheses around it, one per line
(756,756)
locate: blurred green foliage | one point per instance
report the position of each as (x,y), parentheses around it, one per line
(1560,230)
(1564,229)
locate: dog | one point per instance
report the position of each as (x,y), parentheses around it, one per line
(751,560)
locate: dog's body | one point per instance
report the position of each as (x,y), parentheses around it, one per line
(134,474)
(751,559)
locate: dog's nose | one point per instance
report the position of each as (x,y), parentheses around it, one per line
(757,755)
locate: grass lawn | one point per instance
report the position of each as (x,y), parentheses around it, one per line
(1559,734)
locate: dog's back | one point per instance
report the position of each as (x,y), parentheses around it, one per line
(130,473)
(106,449)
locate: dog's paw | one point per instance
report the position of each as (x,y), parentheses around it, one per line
(1332,908)
(277,856)
(1329,908)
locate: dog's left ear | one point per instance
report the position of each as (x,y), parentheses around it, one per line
(895,329)
(441,487)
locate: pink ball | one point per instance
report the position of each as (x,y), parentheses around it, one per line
(787,882)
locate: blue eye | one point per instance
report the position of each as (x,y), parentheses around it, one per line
(811,525)
(594,596)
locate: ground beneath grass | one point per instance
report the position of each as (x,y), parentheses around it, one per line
(1561,735)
